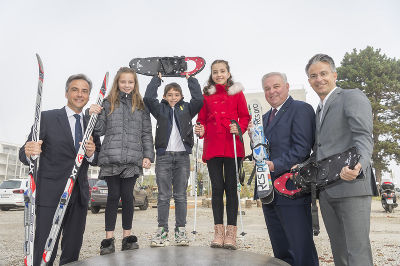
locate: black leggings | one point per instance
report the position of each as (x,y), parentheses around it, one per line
(119,188)
(223,178)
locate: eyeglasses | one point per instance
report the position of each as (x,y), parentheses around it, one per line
(323,74)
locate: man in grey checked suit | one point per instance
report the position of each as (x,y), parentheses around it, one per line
(344,120)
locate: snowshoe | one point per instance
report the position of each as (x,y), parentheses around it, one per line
(168,66)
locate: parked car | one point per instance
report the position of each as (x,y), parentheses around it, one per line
(397,192)
(92,182)
(12,193)
(99,194)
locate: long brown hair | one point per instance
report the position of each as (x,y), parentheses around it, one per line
(113,96)
(211,82)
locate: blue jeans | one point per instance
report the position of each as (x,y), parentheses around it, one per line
(172,171)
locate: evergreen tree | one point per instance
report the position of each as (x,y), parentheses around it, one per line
(378,76)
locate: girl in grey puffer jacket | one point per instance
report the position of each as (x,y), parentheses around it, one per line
(127,148)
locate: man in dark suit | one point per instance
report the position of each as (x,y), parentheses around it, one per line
(289,127)
(61,130)
(344,120)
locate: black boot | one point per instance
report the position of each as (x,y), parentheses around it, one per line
(107,246)
(129,243)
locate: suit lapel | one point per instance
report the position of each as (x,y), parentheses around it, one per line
(65,127)
(279,115)
(84,123)
(265,119)
(328,103)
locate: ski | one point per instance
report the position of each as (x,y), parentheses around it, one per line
(264,185)
(65,197)
(30,193)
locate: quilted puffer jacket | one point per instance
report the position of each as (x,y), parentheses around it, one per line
(128,137)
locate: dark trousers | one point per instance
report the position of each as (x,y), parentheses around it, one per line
(290,233)
(119,188)
(223,178)
(72,230)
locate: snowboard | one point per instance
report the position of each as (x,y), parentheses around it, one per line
(265,189)
(168,66)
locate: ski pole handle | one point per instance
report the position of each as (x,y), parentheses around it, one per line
(198,124)
(240,134)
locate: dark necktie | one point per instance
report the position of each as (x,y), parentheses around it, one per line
(78,131)
(272,115)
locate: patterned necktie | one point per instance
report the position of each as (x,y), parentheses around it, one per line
(319,112)
(78,131)
(272,115)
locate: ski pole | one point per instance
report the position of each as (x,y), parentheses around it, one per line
(238,183)
(194,232)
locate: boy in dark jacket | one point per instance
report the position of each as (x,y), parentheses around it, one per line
(174,142)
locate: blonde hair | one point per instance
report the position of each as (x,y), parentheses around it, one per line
(113,96)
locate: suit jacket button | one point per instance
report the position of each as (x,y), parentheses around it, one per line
(319,144)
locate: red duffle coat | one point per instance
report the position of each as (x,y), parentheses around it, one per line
(220,107)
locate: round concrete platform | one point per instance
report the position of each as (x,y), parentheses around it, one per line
(182,256)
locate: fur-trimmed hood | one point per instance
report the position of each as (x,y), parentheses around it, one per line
(234,89)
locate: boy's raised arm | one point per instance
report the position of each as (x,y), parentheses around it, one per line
(150,96)
(197,97)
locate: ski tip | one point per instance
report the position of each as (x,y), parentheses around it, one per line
(41,70)
(104,86)
(38,58)
(40,66)
(106,78)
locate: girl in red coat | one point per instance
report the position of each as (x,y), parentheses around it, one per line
(223,101)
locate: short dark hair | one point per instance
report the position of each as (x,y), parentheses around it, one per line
(321,58)
(175,86)
(78,76)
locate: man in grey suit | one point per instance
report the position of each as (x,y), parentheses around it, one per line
(344,120)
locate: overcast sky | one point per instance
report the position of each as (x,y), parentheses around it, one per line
(95,36)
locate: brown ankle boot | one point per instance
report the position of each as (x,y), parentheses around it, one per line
(219,236)
(230,237)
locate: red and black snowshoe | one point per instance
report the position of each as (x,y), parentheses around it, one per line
(168,66)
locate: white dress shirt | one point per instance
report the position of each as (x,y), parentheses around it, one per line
(72,121)
(322,104)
